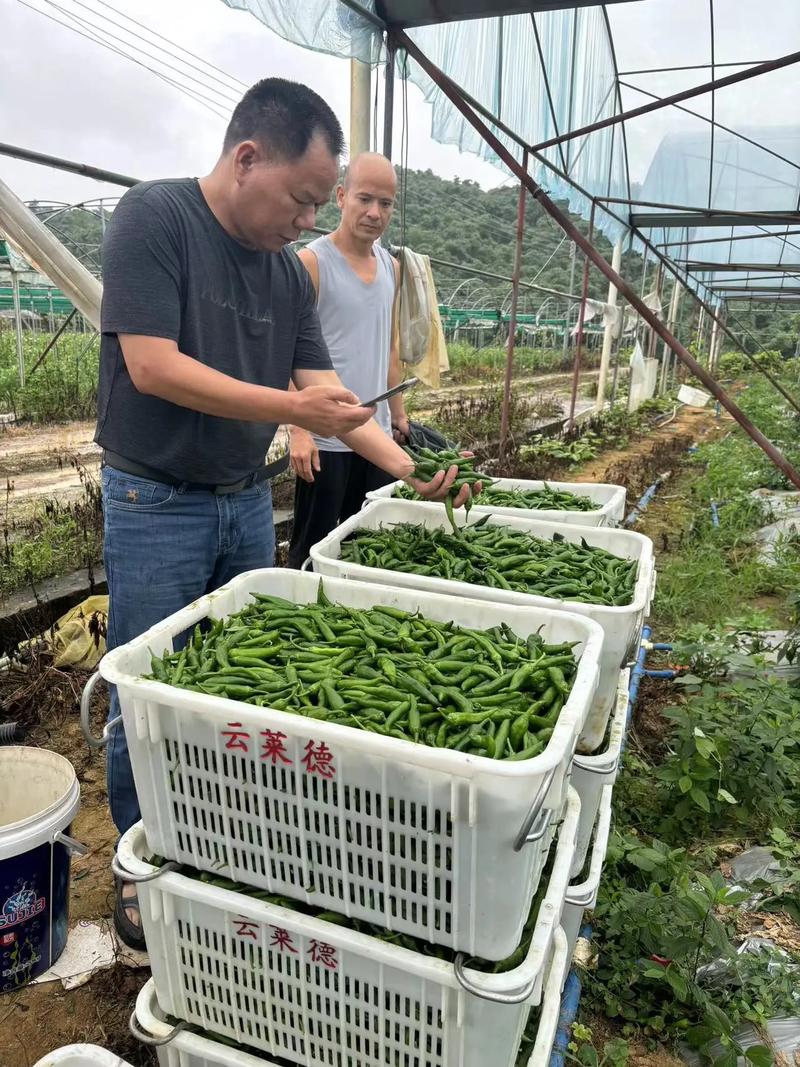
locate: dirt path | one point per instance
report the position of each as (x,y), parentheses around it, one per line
(36,463)
(638,464)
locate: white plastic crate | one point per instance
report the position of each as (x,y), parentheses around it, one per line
(590,774)
(582,896)
(622,625)
(611,499)
(415,839)
(314,992)
(184,1049)
(81,1056)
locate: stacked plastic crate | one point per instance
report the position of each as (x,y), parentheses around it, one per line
(427,843)
(596,762)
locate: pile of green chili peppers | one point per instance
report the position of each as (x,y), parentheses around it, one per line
(427,463)
(484,692)
(546,499)
(498,557)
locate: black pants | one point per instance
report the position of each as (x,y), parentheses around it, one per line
(337,492)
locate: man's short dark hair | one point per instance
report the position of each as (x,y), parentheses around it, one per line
(283,116)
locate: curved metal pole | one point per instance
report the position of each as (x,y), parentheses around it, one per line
(453,93)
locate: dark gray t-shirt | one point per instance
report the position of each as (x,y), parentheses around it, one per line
(170,270)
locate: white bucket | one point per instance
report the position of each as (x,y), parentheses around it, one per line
(39,798)
(81,1056)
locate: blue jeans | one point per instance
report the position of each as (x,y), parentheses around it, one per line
(165,547)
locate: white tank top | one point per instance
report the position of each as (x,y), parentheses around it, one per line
(356,319)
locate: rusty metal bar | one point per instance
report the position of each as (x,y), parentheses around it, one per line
(67,164)
(576,365)
(512,323)
(453,93)
(676,98)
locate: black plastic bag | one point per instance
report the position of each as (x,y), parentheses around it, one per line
(421,436)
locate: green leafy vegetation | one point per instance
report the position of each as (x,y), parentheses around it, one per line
(718,775)
(63,387)
(59,538)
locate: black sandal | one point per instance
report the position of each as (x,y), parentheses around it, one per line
(128,931)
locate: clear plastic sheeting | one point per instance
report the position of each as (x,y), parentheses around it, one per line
(565,81)
(544,74)
(322,25)
(744,177)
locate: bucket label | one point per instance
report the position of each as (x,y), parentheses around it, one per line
(34,890)
(21,906)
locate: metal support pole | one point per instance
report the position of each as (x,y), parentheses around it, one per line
(16,152)
(651,344)
(608,332)
(44,251)
(666,355)
(388,100)
(701,322)
(53,340)
(512,318)
(565,348)
(18,326)
(359,107)
(452,91)
(713,347)
(576,366)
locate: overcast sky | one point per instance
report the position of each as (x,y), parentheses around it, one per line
(70,97)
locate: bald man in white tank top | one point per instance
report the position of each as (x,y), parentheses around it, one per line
(356,282)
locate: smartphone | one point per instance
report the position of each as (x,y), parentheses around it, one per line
(409,383)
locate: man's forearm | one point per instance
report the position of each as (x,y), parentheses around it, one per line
(373,444)
(189,383)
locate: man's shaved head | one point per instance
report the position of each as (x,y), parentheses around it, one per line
(366,196)
(367,167)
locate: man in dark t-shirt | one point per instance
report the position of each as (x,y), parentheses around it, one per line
(207,316)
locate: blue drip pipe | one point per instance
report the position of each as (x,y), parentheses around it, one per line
(644,500)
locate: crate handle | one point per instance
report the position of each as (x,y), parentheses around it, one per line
(540,827)
(86,703)
(581,900)
(587,768)
(525,836)
(148,1039)
(306,564)
(485,994)
(125,875)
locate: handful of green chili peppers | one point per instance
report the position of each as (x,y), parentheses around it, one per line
(428,463)
(484,692)
(499,557)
